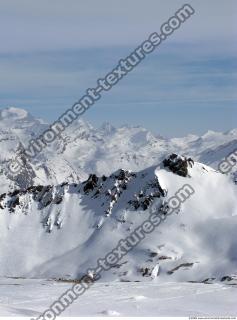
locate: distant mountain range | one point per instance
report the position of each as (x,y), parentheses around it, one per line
(82,149)
(93,187)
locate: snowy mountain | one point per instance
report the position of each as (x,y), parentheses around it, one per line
(71,223)
(70,226)
(82,149)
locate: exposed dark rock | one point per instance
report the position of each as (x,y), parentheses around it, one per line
(156,195)
(15,202)
(58,199)
(121,175)
(146,203)
(226,278)
(46,202)
(91,183)
(178,165)
(35,189)
(124,186)
(145,272)
(183,265)
(164,258)
(14,193)
(153,254)
(64,184)
(2,196)
(208,280)
(26,176)
(155,184)
(134,203)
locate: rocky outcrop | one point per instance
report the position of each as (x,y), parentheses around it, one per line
(102,192)
(91,183)
(178,164)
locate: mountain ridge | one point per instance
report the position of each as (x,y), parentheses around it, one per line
(70,226)
(82,149)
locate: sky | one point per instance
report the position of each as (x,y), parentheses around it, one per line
(52,51)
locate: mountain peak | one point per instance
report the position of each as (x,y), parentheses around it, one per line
(211,133)
(12,113)
(107,128)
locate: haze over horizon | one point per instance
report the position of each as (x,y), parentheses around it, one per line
(52,53)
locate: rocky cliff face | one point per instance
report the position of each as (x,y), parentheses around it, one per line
(59,231)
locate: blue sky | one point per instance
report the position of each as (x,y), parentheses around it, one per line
(54,51)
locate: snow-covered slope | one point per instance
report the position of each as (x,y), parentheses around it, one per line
(153,299)
(70,224)
(60,231)
(17,128)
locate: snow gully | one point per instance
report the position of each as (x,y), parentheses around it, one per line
(123,247)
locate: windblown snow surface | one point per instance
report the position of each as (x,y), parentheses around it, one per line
(186,266)
(29,298)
